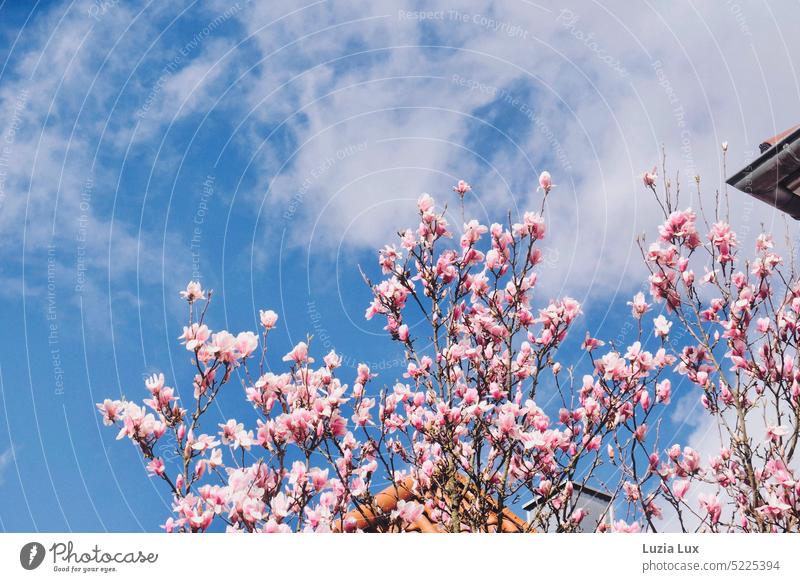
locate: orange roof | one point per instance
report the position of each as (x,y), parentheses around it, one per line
(768,143)
(375,519)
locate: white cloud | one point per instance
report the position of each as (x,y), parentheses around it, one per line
(68,104)
(604,87)
(694,76)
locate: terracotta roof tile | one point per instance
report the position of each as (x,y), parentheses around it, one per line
(375,519)
(768,143)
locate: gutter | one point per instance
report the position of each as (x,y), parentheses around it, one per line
(768,177)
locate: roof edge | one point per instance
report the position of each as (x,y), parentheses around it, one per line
(763,158)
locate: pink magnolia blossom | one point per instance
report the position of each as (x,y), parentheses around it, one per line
(680,487)
(662,326)
(246,343)
(223,345)
(332,360)
(193,292)
(111,411)
(649,178)
(195,336)
(156,467)
(774,433)
(545,182)
(680,225)
(268,319)
(425,203)
(664,391)
(724,239)
(299,354)
(712,506)
(774,507)
(407,511)
(638,306)
(462,188)
(484,400)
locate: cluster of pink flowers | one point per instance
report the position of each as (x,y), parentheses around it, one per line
(462,424)
(301,418)
(740,350)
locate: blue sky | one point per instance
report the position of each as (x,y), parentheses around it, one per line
(268,147)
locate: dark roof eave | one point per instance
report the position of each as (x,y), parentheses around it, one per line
(763,178)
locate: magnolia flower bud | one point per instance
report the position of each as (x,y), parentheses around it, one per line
(545,182)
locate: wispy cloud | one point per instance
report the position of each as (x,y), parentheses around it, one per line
(341,113)
(6,458)
(606,87)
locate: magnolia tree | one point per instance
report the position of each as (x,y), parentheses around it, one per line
(469,430)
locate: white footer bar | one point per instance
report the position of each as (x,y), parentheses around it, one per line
(403,557)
